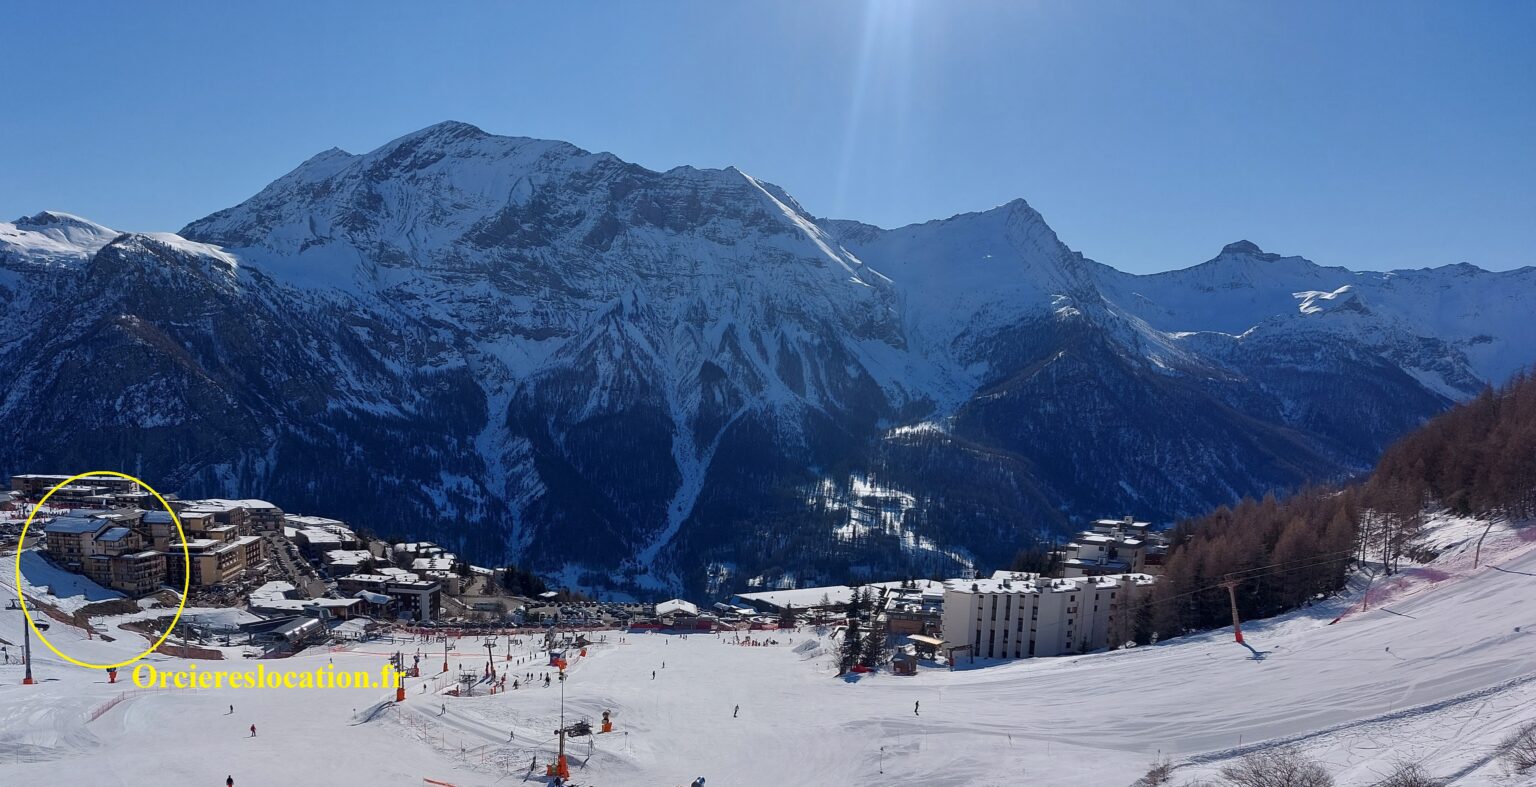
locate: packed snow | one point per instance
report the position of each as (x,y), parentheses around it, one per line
(1436,675)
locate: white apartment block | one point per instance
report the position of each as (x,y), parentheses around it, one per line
(1111,546)
(1017,616)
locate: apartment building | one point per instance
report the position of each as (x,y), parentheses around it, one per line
(317,535)
(910,606)
(418,599)
(221,551)
(137,573)
(119,545)
(33,486)
(1014,616)
(71,539)
(223,513)
(254,515)
(1111,546)
(108,547)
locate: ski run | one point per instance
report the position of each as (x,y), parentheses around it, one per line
(1435,669)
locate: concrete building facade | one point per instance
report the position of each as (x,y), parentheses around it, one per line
(1111,546)
(1025,615)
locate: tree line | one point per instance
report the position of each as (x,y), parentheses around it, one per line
(1477,459)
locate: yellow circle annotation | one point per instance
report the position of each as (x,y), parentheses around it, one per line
(186,564)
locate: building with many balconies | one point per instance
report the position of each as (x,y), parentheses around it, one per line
(1017,616)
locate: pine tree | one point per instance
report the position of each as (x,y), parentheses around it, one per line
(787,617)
(853,646)
(876,645)
(1145,628)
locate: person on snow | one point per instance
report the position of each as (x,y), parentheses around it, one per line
(229,781)
(914,707)
(231,710)
(699,782)
(253,730)
(653,674)
(736,711)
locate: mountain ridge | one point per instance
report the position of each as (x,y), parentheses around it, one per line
(652,380)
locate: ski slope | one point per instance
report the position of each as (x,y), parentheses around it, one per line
(1437,670)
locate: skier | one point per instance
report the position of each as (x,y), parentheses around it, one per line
(699,782)
(653,674)
(253,730)
(231,710)
(229,781)
(914,707)
(444,710)
(511,735)
(736,711)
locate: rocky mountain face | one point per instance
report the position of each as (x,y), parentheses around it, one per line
(657,380)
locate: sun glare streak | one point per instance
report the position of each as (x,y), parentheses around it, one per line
(882,75)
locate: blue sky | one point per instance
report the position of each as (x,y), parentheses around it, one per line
(1372,135)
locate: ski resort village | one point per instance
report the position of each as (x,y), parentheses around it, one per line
(291,580)
(876,393)
(498,679)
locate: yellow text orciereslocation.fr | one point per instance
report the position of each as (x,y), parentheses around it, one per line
(146,676)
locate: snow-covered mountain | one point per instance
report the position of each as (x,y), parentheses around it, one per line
(682,378)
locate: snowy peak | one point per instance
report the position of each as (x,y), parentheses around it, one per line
(1345,298)
(447,130)
(320,166)
(64,226)
(453,182)
(51,237)
(608,361)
